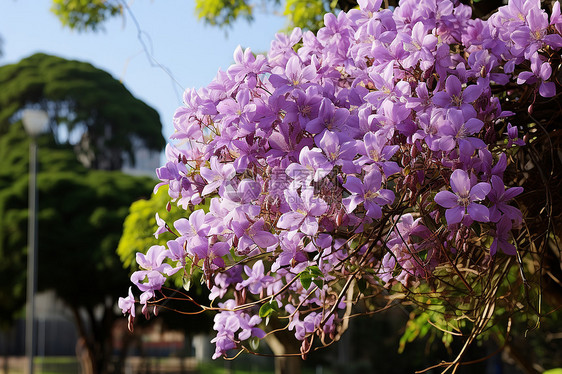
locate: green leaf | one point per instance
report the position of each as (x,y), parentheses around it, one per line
(319,283)
(306,279)
(311,274)
(267,308)
(314,271)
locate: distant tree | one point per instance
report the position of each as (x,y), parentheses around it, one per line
(81,213)
(88,109)
(140,225)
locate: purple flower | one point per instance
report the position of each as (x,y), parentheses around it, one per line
(329,117)
(455,97)
(338,153)
(463,201)
(292,252)
(312,166)
(282,47)
(387,90)
(237,114)
(377,152)
(501,238)
(304,211)
(194,232)
(249,234)
(217,175)
(456,130)
(246,65)
(513,136)
(148,281)
(304,327)
(152,260)
(127,304)
(405,228)
(294,75)
(540,72)
(556,17)
(162,226)
(368,192)
(533,34)
(304,107)
(285,145)
(420,45)
(176,252)
(228,322)
(240,201)
(256,279)
(499,197)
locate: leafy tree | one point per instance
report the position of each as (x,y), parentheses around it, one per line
(140,224)
(84,15)
(80,216)
(87,107)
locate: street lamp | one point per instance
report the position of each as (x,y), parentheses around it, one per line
(35,122)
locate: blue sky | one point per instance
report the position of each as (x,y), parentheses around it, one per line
(190,50)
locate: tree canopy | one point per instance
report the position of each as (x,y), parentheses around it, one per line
(87,107)
(81,213)
(85,15)
(95,123)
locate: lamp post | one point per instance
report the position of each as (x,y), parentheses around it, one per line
(34,122)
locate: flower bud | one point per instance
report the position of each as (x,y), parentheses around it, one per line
(305,347)
(130,322)
(414,151)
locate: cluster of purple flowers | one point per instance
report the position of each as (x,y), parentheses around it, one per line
(330,157)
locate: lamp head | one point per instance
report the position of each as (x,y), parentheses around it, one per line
(35,121)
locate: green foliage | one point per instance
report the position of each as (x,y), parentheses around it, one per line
(307,14)
(87,107)
(140,225)
(85,15)
(223,12)
(138,234)
(309,275)
(80,221)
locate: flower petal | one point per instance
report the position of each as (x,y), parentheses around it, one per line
(478,212)
(454,215)
(480,191)
(446,199)
(460,182)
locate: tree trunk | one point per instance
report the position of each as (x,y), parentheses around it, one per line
(6,365)
(94,352)
(284,364)
(84,357)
